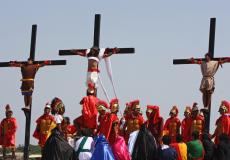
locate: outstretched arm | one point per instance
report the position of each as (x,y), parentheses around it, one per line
(15,64)
(225,60)
(109,53)
(77,52)
(47,62)
(194,61)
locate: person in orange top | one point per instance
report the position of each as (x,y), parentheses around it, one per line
(155,122)
(185,125)
(223,122)
(172,124)
(135,120)
(197,121)
(8,129)
(45,124)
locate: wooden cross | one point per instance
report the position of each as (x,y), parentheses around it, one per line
(200,60)
(20,64)
(109,51)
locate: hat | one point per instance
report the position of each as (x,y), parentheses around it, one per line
(57,105)
(114,106)
(188,109)
(150,108)
(114,101)
(195,107)
(135,104)
(8,109)
(47,105)
(102,105)
(225,105)
(174,110)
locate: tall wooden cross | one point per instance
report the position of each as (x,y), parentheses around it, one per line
(211,53)
(32,57)
(96,43)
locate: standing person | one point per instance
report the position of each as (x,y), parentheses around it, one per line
(209,68)
(186,124)
(69,130)
(8,129)
(84,145)
(195,148)
(172,124)
(106,127)
(118,144)
(197,123)
(155,122)
(102,149)
(135,120)
(209,146)
(223,122)
(180,147)
(45,124)
(166,152)
(88,119)
(102,108)
(28,71)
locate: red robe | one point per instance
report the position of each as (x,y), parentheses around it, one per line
(45,124)
(172,128)
(89,111)
(8,129)
(155,126)
(106,126)
(185,129)
(222,126)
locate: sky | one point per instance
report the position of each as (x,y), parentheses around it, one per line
(159,31)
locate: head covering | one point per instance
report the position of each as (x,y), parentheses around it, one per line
(174,110)
(114,104)
(195,107)
(188,109)
(135,104)
(47,105)
(57,106)
(156,110)
(102,105)
(8,109)
(225,105)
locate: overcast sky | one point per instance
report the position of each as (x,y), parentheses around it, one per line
(160,31)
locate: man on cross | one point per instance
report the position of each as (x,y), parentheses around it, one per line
(28,70)
(209,68)
(94,55)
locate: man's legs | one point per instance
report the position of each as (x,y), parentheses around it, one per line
(4,152)
(13,153)
(207,96)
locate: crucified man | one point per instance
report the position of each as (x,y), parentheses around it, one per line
(28,70)
(94,55)
(209,68)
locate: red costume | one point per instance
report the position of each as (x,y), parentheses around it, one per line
(154,122)
(8,129)
(172,125)
(186,125)
(45,124)
(197,122)
(223,122)
(109,119)
(134,120)
(102,106)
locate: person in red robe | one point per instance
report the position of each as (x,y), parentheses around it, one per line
(45,124)
(134,120)
(185,125)
(155,122)
(172,124)
(106,126)
(69,131)
(102,108)
(88,119)
(223,122)
(197,121)
(8,129)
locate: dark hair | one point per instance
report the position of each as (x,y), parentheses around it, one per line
(86,132)
(166,139)
(179,138)
(67,119)
(195,135)
(224,137)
